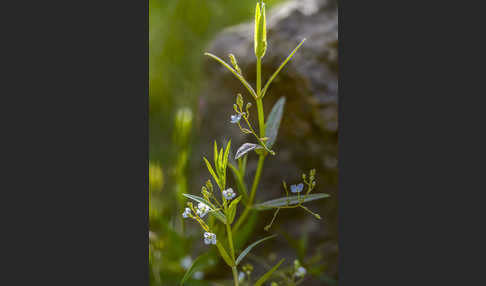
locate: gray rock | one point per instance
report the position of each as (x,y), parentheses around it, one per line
(308,133)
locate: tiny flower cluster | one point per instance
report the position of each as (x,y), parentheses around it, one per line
(202,210)
(229,194)
(209,238)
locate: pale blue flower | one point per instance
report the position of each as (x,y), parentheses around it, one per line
(297,188)
(300,272)
(209,238)
(186,213)
(235,118)
(202,210)
(229,194)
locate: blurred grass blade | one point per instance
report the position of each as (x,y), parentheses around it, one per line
(198,262)
(243,81)
(232,209)
(273,121)
(288,201)
(280,68)
(218,214)
(268,274)
(249,248)
(212,171)
(224,254)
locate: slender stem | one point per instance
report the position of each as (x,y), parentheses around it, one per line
(230,240)
(245,213)
(235,275)
(261,118)
(261,159)
(232,251)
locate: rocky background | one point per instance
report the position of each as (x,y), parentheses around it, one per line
(309,131)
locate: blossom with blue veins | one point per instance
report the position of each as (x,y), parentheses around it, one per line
(297,188)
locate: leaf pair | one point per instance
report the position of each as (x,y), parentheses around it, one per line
(261,51)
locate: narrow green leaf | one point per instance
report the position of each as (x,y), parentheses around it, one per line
(198,262)
(240,77)
(288,201)
(239,181)
(232,209)
(268,274)
(220,162)
(280,68)
(226,155)
(224,254)
(216,213)
(249,248)
(216,178)
(273,122)
(215,154)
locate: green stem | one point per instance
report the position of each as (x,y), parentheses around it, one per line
(261,118)
(230,240)
(235,275)
(254,187)
(232,251)
(261,159)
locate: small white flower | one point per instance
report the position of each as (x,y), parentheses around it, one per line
(198,275)
(229,194)
(297,188)
(235,118)
(209,238)
(202,210)
(300,272)
(186,213)
(186,262)
(241,276)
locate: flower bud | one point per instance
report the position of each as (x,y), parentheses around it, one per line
(239,100)
(260,34)
(234,63)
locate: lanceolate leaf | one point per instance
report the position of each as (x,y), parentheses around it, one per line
(243,81)
(273,122)
(292,200)
(198,262)
(268,274)
(224,254)
(216,178)
(218,214)
(280,68)
(245,148)
(249,248)
(232,209)
(239,181)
